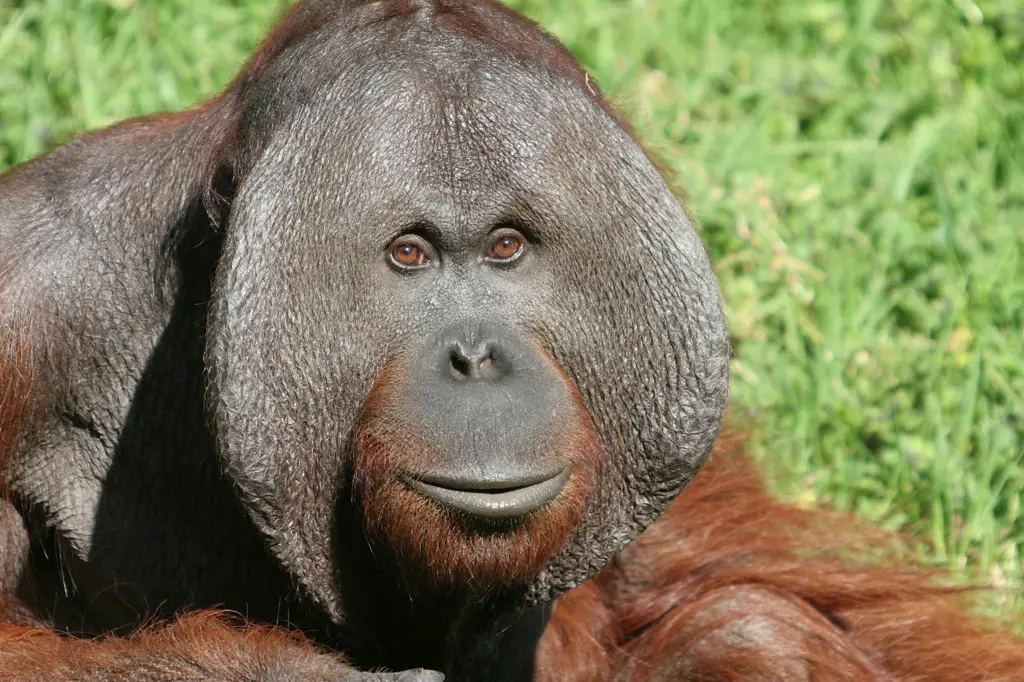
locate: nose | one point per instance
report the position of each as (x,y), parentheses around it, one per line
(478,359)
(493,405)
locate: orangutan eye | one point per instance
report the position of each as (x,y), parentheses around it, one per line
(409,252)
(506,246)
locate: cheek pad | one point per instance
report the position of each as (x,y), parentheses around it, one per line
(288,373)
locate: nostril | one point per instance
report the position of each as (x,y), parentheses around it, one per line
(462,365)
(489,357)
(479,363)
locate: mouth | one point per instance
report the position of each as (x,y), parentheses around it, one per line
(492,499)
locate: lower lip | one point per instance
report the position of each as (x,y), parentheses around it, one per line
(495,505)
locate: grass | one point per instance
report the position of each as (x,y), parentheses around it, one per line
(857,170)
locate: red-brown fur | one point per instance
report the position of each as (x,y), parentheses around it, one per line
(200,646)
(430,546)
(728,561)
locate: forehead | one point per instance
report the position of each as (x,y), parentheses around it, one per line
(433,116)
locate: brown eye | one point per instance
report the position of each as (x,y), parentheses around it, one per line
(409,253)
(506,247)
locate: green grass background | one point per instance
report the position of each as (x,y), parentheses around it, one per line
(857,170)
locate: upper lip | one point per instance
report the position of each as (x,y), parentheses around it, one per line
(495,499)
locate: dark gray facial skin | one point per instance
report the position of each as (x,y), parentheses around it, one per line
(208,300)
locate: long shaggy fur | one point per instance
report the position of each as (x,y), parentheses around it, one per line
(733,584)
(201,646)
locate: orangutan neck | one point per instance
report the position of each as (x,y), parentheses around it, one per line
(468,639)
